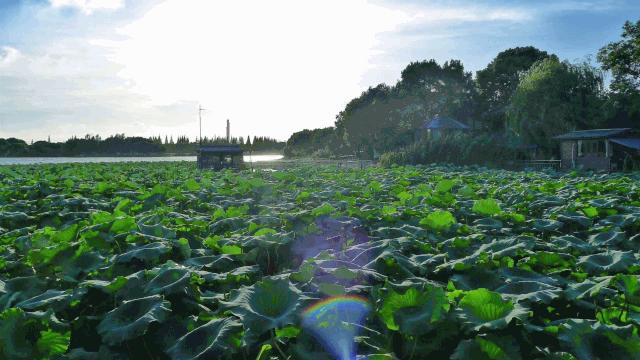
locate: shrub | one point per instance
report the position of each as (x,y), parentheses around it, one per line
(461,149)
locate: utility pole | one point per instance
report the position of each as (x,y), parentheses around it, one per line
(200,110)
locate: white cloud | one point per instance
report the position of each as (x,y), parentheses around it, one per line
(470,14)
(89,6)
(8,56)
(272,67)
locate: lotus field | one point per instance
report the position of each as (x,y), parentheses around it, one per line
(162,261)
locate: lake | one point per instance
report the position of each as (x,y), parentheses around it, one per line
(106,159)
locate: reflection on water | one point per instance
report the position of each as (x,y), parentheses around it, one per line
(61,160)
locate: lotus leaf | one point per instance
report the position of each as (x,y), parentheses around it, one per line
(132,318)
(482,308)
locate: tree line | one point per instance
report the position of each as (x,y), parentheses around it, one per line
(523,97)
(119,144)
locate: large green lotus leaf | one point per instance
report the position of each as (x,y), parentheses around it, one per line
(123,287)
(496,248)
(216,263)
(517,274)
(24,335)
(623,221)
(13,335)
(440,220)
(630,284)
(608,203)
(574,218)
(268,304)
(14,220)
(590,290)
(83,263)
(444,186)
(608,239)
(572,244)
(223,226)
(488,347)
(132,318)
(488,224)
(546,225)
(477,278)
(547,202)
(611,261)
(209,341)
(54,299)
(486,207)
(20,289)
(157,230)
(633,243)
(148,253)
(592,340)
(549,260)
(529,291)
(169,280)
(482,308)
(415,311)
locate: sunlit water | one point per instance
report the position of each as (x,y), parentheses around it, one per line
(63,160)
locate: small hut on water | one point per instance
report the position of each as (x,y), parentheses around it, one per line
(219,157)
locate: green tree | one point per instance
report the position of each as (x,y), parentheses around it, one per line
(384,118)
(360,123)
(499,80)
(622,58)
(427,89)
(554,97)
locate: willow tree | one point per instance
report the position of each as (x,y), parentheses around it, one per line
(555,97)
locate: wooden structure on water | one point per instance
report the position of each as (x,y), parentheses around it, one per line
(219,157)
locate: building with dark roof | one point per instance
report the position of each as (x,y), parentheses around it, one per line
(599,149)
(220,157)
(440,125)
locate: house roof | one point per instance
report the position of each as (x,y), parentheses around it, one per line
(221,149)
(441,122)
(632,143)
(592,134)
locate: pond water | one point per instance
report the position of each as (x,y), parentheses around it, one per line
(62,160)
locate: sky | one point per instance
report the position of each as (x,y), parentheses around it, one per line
(142,67)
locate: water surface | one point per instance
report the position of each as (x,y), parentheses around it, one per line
(116,159)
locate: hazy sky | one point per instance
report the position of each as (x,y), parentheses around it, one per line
(141,67)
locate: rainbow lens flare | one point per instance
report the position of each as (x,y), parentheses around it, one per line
(335,322)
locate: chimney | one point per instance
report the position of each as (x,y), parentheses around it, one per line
(228,131)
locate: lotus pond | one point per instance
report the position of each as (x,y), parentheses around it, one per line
(161,261)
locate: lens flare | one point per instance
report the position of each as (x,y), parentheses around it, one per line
(335,322)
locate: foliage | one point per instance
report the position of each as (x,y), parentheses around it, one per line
(459,149)
(498,82)
(555,97)
(623,59)
(162,261)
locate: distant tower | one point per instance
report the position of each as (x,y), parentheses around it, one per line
(228,131)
